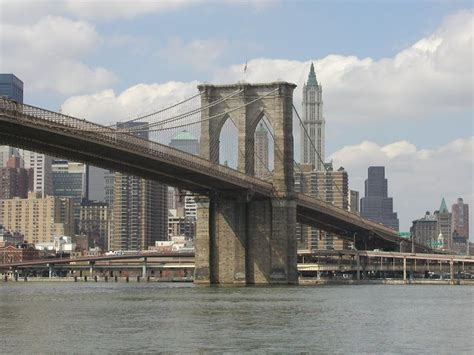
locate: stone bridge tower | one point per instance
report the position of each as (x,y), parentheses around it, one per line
(246,238)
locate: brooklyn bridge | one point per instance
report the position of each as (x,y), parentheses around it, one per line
(246,226)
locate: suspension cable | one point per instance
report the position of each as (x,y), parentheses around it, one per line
(183,115)
(205,119)
(161,110)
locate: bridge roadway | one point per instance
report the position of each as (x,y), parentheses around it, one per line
(37,129)
(168,257)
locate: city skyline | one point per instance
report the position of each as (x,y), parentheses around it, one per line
(376,96)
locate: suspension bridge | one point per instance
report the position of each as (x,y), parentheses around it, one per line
(246,225)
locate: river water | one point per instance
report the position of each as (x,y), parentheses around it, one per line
(177,317)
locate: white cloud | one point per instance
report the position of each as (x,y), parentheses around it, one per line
(46,55)
(432,77)
(110,10)
(106,10)
(107,107)
(417,178)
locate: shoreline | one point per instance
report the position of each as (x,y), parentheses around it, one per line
(302,281)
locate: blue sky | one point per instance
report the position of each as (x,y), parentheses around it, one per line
(397,75)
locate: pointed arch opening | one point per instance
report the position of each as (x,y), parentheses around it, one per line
(264,148)
(229,144)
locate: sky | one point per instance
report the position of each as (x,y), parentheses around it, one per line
(397,76)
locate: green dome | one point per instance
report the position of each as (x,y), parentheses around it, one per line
(183,136)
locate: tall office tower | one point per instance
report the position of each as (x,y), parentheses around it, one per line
(186,142)
(444,224)
(96,182)
(15,181)
(261,162)
(39,219)
(109,188)
(42,171)
(425,230)
(460,226)
(140,212)
(70,180)
(330,186)
(314,123)
(11,87)
(306,236)
(354,201)
(376,205)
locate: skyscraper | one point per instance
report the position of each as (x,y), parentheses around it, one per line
(11,87)
(140,212)
(327,185)
(70,180)
(460,225)
(261,153)
(42,171)
(314,123)
(186,142)
(376,205)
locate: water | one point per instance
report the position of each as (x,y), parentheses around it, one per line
(149,318)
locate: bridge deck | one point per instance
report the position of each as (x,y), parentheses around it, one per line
(76,139)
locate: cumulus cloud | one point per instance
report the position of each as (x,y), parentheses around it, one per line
(106,10)
(418,178)
(46,55)
(434,76)
(108,107)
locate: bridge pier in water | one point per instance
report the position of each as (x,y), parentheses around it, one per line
(243,237)
(246,242)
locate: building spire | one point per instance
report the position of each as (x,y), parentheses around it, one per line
(312,81)
(443,208)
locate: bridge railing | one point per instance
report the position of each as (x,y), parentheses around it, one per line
(347,215)
(126,140)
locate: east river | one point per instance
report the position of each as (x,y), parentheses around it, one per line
(60,317)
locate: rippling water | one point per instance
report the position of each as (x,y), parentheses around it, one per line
(131,318)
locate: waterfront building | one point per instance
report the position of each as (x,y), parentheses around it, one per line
(460,225)
(8,237)
(94,220)
(42,171)
(11,87)
(12,254)
(140,211)
(443,217)
(313,122)
(425,230)
(376,205)
(261,163)
(180,225)
(38,219)
(15,181)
